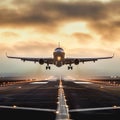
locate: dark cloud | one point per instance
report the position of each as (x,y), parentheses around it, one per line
(108,30)
(103,18)
(39,12)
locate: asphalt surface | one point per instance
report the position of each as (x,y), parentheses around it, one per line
(78,95)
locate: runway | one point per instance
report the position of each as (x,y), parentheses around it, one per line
(43,94)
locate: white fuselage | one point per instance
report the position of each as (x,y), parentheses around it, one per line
(59,56)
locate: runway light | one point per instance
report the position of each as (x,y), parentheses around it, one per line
(57,112)
(19,87)
(14,106)
(67,106)
(101,86)
(114,106)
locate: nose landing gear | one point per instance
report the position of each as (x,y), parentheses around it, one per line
(48,67)
(70,67)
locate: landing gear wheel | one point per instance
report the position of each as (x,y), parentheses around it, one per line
(48,67)
(70,67)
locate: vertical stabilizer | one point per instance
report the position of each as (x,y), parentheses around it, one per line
(59,44)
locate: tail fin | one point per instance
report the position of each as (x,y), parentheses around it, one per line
(59,44)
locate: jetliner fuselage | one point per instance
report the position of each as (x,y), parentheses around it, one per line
(59,56)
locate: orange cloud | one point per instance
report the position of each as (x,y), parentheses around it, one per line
(9,35)
(102,18)
(30,48)
(83,38)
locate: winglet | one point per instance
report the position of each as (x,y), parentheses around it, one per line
(113,55)
(6,54)
(59,44)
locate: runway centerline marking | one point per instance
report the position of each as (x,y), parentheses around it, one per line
(62,112)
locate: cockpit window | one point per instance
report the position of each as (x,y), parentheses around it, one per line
(59,49)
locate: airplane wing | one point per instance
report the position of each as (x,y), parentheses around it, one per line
(69,61)
(78,60)
(39,60)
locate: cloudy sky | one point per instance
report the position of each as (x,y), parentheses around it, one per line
(85,28)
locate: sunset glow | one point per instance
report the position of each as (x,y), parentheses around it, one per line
(75,27)
(85,28)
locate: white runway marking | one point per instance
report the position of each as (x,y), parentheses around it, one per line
(39,83)
(27,108)
(94,109)
(83,82)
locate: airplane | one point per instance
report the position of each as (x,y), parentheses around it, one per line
(59,59)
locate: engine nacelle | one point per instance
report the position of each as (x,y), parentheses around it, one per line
(41,61)
(76,61)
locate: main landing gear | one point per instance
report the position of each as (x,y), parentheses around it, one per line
(70,67)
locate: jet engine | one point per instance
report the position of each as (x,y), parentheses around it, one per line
(76,61)
(41,61)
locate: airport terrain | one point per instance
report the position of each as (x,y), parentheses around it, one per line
(79,94)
